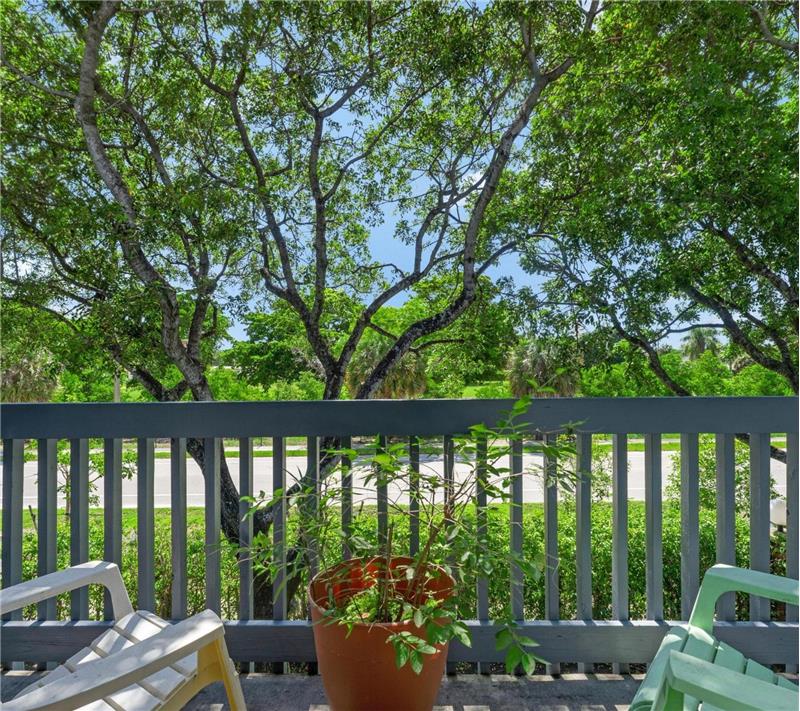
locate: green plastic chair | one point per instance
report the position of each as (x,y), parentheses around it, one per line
(693,670)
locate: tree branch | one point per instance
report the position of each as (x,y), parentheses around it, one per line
(769,36)
(740,338)
(131,248)
(758,268)
(57,93)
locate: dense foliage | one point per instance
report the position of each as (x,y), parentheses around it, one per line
(622,372)
(365,526)
(173,168)
(626,374)
(671,155)
(196,161)
(343,179)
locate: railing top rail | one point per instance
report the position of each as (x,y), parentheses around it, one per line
(393,417)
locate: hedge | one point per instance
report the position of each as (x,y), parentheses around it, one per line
(365,525)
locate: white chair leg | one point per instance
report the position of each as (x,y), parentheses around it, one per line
(233,686)
(214,664)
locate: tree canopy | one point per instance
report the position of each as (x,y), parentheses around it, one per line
(671,160)
(343,177)
(174,165)
(188,159)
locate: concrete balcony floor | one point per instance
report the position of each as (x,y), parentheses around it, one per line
(465,692)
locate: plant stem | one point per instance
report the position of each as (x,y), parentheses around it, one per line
(422,561)
(386,580)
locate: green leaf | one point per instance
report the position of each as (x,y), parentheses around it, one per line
(503,638)
(401,655)
(513,658)
(528,663)
(385,461)
(461,633)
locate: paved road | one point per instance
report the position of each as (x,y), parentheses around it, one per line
(532,488)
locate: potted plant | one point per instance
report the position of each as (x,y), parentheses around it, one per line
(383,619)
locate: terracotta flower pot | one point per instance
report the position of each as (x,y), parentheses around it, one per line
(358,668)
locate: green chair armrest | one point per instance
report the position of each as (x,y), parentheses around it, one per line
(717,686)
(721,579)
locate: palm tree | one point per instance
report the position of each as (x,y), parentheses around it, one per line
(738,363)
(30,378)
(698,341)
(405,380)
(536,367)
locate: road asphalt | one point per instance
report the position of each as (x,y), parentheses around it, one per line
(262,476)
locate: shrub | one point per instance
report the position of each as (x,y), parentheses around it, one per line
(195,562)
(306,387)
(365,525)
(707,467)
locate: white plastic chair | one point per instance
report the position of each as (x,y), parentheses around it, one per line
(142,663)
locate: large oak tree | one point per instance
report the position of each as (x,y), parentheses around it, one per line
(169,163)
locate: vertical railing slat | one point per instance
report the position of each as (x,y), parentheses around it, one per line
(551,593)
(792,500)
(347,497)
(47,521)
(245,528)
(449,463)
(13,477)
(413,501)
(312,471)
(178,526)
(583,534)
(279,599)
(482,473)
(515,526)
(726,516)
(759,517)
(145,527)
(211,474)
(382,495)
(653,527)
(619,536)
(481,503)
(279,528)
(79,520)
(112,511)
(517,589)
(690,522)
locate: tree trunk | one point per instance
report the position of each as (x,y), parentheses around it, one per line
(229,494)
(229,520)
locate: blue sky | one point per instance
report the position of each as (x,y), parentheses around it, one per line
(386,249)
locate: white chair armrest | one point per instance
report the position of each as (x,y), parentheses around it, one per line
(78,576)
(99,678)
